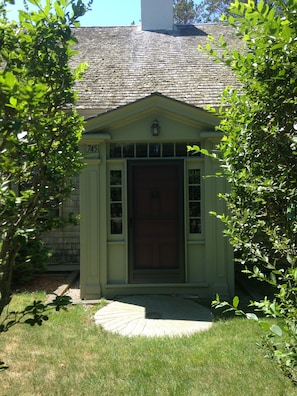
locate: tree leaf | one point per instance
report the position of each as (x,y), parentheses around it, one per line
(10,79)
(235,301)
(275,329)
(13,102)
(251,316)
(59,10)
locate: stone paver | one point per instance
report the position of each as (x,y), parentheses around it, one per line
(154,316)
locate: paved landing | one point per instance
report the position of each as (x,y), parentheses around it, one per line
(154,316)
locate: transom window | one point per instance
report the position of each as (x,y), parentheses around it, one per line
(151,150)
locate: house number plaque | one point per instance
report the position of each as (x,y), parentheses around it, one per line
(92,148)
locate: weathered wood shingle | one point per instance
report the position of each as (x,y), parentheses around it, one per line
(126,64)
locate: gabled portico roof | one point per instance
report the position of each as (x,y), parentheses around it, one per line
(154,105)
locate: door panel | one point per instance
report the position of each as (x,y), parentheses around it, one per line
(156,252)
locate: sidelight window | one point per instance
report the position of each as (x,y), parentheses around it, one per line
(116,202)
(194,201)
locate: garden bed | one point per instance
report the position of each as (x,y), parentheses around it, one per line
(47,282)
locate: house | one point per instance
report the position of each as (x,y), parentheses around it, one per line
(144,200)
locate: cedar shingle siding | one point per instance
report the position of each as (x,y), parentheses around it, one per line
(64,243)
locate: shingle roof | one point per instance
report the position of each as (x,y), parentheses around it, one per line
(126,64)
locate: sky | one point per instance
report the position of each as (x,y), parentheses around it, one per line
(103,13)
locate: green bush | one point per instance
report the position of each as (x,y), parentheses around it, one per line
(258,156)
(32,258)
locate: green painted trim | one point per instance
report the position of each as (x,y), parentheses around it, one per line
(136,110)
(154,285)
(94,138)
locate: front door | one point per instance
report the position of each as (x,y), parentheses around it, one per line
(156,253)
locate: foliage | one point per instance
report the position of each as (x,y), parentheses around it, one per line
(212,10)
(34,314)
(185,12)
(280,339)
(258,157)
(31,258)
(39,127)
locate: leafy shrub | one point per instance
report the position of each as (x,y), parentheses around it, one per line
(258,156)
(32,258)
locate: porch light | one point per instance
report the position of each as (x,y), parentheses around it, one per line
(155,128)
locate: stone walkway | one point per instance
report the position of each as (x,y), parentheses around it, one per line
(154,316)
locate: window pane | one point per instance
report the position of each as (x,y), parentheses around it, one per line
(115,150)
(155,150)
(195,226)
(128,150)
(115,193)
(194,193)
(181,149)
(116,210)
(141,150)
(116,226)
(194,209)
(115,178)
(168,150)
(194,176)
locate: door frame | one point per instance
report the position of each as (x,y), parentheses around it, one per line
(156,276)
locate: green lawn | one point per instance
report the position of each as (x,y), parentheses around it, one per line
(69,355)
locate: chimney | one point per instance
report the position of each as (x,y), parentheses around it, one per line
(157,14)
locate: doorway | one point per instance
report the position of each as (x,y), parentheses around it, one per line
(156,237)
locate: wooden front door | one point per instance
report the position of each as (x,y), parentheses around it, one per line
(156,222)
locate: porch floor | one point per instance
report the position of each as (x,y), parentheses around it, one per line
(154,316)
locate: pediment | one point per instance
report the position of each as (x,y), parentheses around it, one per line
(154,105)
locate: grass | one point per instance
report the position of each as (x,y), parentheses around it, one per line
(69,355)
